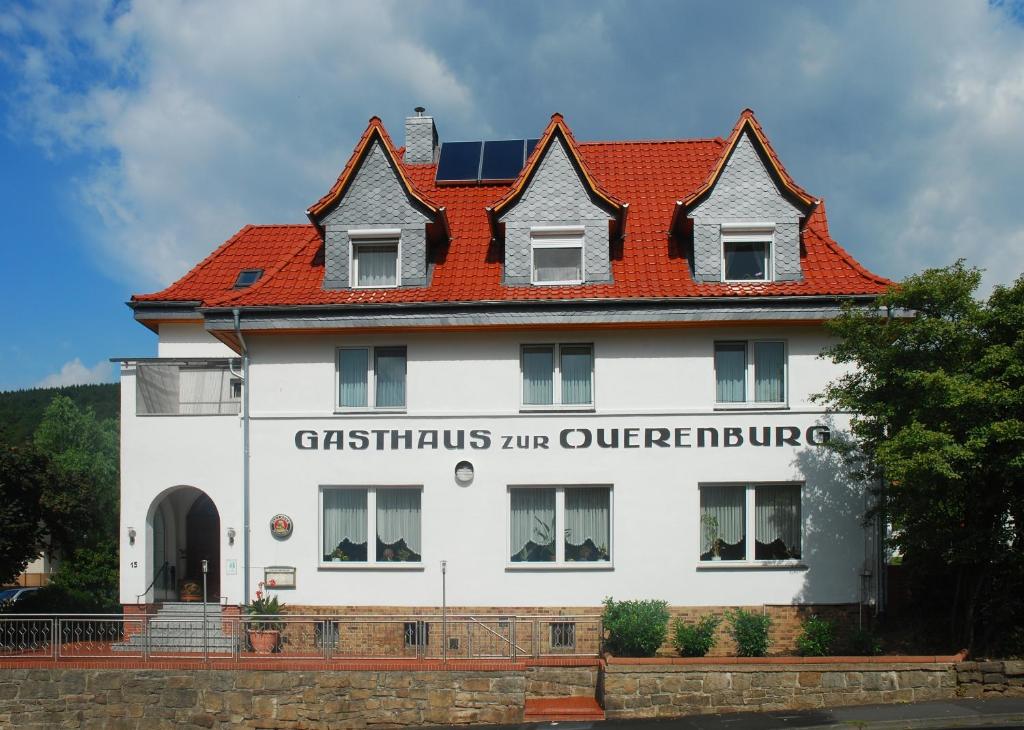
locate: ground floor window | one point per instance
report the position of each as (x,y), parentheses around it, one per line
(391,515)
(731,512)
(566,524)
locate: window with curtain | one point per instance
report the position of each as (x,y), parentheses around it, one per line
(560,525)
(344,525)
(777,524)
(375,264)
(558,375)
(557,257)
(769,372)
(371,377)
(750,372)
(746,260)
(587,524)
(398,525)
(533,527)
(730,372)
(723,520)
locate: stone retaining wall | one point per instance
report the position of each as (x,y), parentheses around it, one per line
(135,699)
(667,690)
(561,681)
(990,679)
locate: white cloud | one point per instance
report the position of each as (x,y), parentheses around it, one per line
(204,116)
(74,372)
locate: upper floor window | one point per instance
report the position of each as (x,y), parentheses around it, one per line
(375,259)
(371,377)
(557,255)
(558,375)
(747,254)
(750,372)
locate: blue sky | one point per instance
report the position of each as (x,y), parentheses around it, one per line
(135,137)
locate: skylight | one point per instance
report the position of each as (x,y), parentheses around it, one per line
(247,277)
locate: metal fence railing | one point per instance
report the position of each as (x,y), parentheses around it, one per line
(318,638)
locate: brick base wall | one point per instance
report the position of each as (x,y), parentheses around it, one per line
(786,625)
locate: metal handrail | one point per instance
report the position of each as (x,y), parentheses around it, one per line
(156,575)
(513,647)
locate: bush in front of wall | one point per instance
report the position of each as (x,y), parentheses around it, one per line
(863,642)
(634,628)
(816,638)
(695,639)
(750,631)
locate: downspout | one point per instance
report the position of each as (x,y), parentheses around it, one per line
(245,455)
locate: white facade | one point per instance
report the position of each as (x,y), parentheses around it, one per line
(643,379)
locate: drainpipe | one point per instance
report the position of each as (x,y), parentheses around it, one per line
(245,455)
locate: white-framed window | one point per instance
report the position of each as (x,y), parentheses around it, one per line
(566,526)
(371,377)
(747,253)
(375,259)
(729,513)
(557,375)
(556,255)
(751,371)
(361,525)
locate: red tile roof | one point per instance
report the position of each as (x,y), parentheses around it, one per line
(648,175)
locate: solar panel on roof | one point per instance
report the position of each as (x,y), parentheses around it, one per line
(459,161)
(502,160)
(530,144)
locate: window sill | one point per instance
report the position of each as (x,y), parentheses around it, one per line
(752,406)
(352,565)
(368,411)
(558,409)
(559,567)
(751,565)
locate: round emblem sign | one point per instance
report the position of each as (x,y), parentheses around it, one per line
(280,526)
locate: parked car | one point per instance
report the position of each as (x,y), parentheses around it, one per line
(10,597)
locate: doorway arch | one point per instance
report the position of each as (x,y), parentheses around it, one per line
(183,529)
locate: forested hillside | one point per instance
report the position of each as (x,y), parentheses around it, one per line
(22,410)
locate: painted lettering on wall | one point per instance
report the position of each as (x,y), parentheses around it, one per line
(728,437)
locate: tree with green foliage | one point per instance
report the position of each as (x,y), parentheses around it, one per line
(936,384)
(67,482)
(22,479)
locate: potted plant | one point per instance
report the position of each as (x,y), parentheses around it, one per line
(710,523)
(264,633)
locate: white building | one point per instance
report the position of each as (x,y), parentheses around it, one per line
(571,370)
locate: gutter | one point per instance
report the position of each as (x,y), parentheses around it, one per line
(245,455)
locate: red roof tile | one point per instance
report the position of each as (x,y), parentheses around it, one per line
(650,176)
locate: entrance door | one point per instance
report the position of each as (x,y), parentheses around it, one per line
(202,541)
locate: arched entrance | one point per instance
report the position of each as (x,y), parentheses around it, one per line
(184,531)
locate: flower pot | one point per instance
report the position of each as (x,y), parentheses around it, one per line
(190,590)
(264,641)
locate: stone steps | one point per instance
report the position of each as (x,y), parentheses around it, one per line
(179,626)
(562,709)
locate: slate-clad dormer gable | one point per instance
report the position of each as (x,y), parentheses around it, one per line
(375,199)
(556,196)
(746,194)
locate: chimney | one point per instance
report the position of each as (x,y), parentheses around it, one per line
(420,138)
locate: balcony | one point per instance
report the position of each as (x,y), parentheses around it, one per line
(174,387)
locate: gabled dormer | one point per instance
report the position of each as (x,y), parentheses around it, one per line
(375,224)
(747,215)
(556,221)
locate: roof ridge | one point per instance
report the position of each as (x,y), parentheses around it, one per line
(687,140)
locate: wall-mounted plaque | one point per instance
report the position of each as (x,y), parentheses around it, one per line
(281,526)
(279,576)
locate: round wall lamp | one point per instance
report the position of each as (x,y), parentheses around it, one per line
(464,473)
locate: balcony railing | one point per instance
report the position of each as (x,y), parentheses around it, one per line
(167,387)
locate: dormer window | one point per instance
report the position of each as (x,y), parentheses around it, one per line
(247,278)
(747,254)
(557,255)
(375,259)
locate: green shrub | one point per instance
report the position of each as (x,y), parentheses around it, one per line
(750,631)
(695,639)
(863,642)
(817,637)
(635,628)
